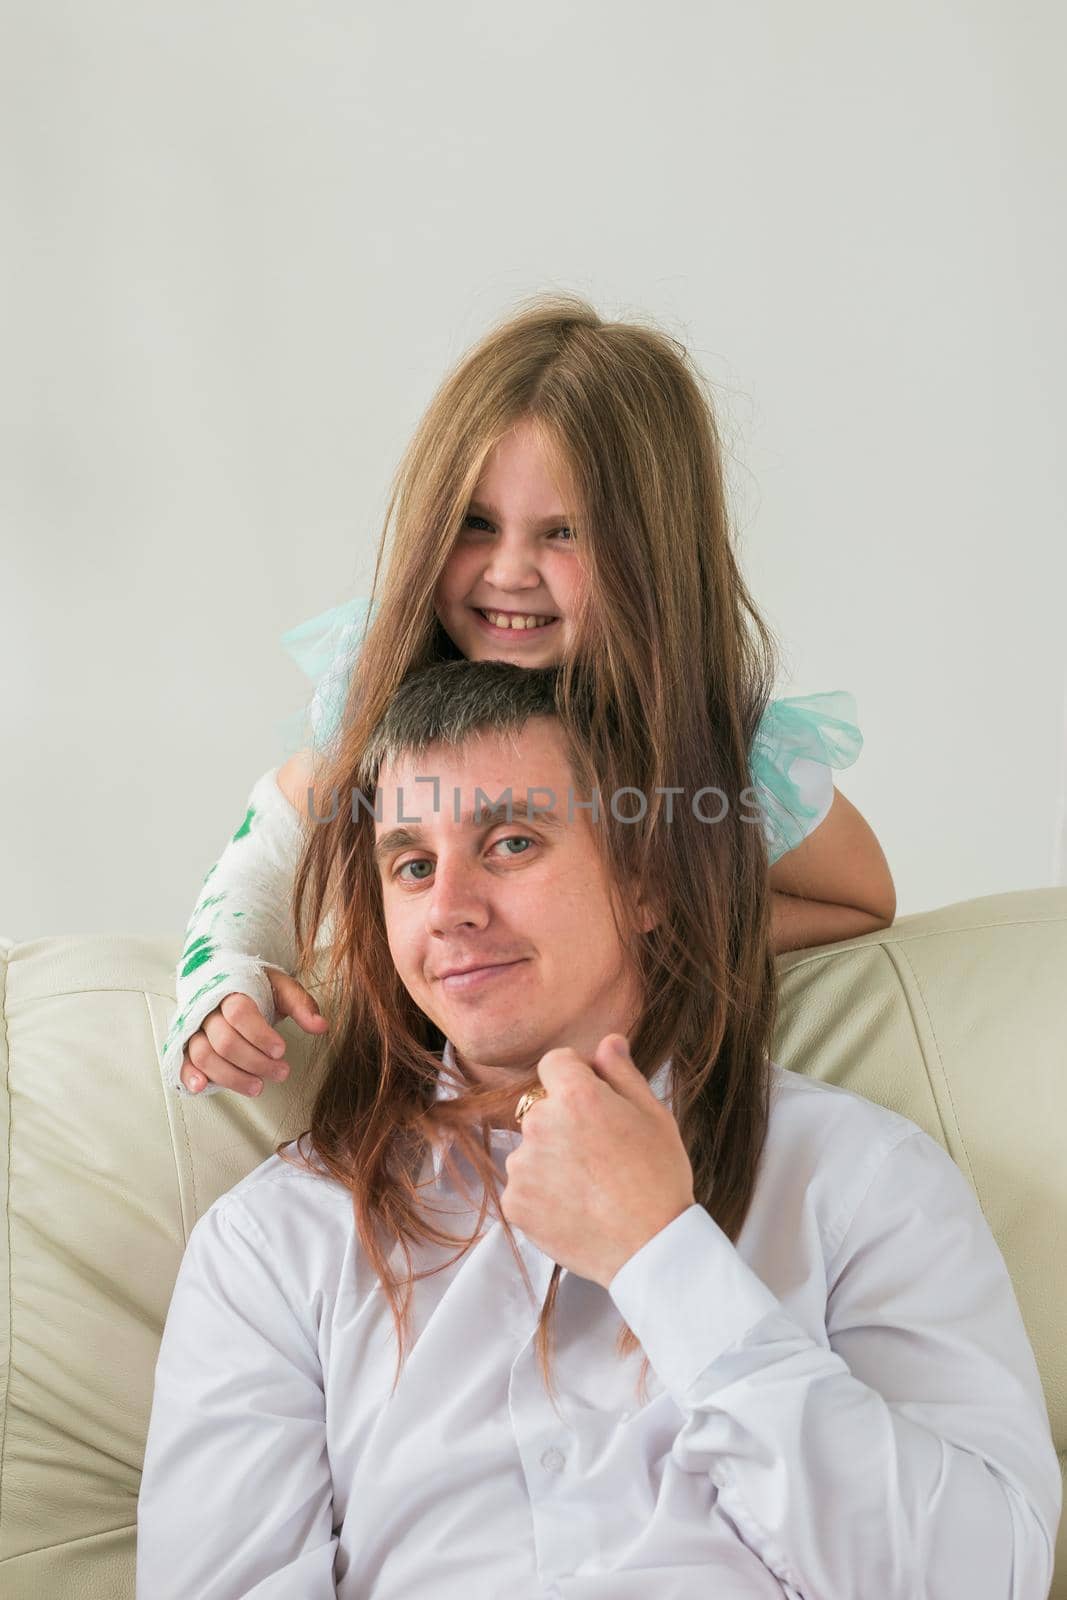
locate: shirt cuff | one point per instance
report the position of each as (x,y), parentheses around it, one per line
(689,1297)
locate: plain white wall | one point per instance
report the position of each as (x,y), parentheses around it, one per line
(242,242)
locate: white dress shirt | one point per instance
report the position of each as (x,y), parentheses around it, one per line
(843,1406)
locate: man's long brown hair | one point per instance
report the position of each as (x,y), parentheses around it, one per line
(669,676)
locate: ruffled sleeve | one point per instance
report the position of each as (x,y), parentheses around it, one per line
(325,648)
(798,743)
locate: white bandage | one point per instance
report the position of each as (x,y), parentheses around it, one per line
(241,925)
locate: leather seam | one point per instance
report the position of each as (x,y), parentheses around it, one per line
(944,1080)
(68,1544)
(847,947)
(102,988)
(179,1113)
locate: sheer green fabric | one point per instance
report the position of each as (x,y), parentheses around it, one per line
(804,729)
(800,740)
(324,648)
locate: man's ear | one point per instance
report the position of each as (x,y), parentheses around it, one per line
(649,913)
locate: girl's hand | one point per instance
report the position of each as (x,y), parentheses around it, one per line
(236,1045)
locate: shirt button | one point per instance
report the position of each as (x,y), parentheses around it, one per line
(553,1461)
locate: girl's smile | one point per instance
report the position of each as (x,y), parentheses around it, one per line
(519,627)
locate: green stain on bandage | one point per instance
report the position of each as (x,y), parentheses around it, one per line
(212,869)
(198,957)
(246,825)
(212,983)
(179,1022)
(236,914)
(212,900)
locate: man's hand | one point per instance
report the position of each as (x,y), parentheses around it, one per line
(601,1167)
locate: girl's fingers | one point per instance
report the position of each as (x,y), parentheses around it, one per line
(205,1062)
(242,1013)
(291,999)
(192,1079)
(233,1047)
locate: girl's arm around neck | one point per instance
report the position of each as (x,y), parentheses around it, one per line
(835,885)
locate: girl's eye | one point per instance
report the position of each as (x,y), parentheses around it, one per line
(554,534)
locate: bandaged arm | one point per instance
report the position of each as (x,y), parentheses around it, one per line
(242,923)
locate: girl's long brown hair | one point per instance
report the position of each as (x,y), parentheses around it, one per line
(670,675)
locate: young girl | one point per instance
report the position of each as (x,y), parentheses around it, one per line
(562,501)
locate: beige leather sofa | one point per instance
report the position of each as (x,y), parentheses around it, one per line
(956,1018)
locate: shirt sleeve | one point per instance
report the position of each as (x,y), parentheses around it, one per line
(236,1498)
(910,1456)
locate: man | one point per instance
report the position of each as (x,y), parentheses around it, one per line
(841,1401)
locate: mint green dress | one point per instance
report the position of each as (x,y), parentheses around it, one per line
(800,742)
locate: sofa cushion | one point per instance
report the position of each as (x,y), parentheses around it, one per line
(955,1018)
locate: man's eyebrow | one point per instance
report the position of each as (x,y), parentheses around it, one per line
(487,818)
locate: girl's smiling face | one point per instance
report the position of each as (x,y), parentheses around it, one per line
(514,560)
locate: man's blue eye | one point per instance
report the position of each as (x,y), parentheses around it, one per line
(512,838)
(413,864)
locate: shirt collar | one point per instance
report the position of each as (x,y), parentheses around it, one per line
(659,1083)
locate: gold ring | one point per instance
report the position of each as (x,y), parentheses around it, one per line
(527,1101)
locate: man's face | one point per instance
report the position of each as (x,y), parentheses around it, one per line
(523,907)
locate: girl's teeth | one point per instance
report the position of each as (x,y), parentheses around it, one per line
(500,619)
